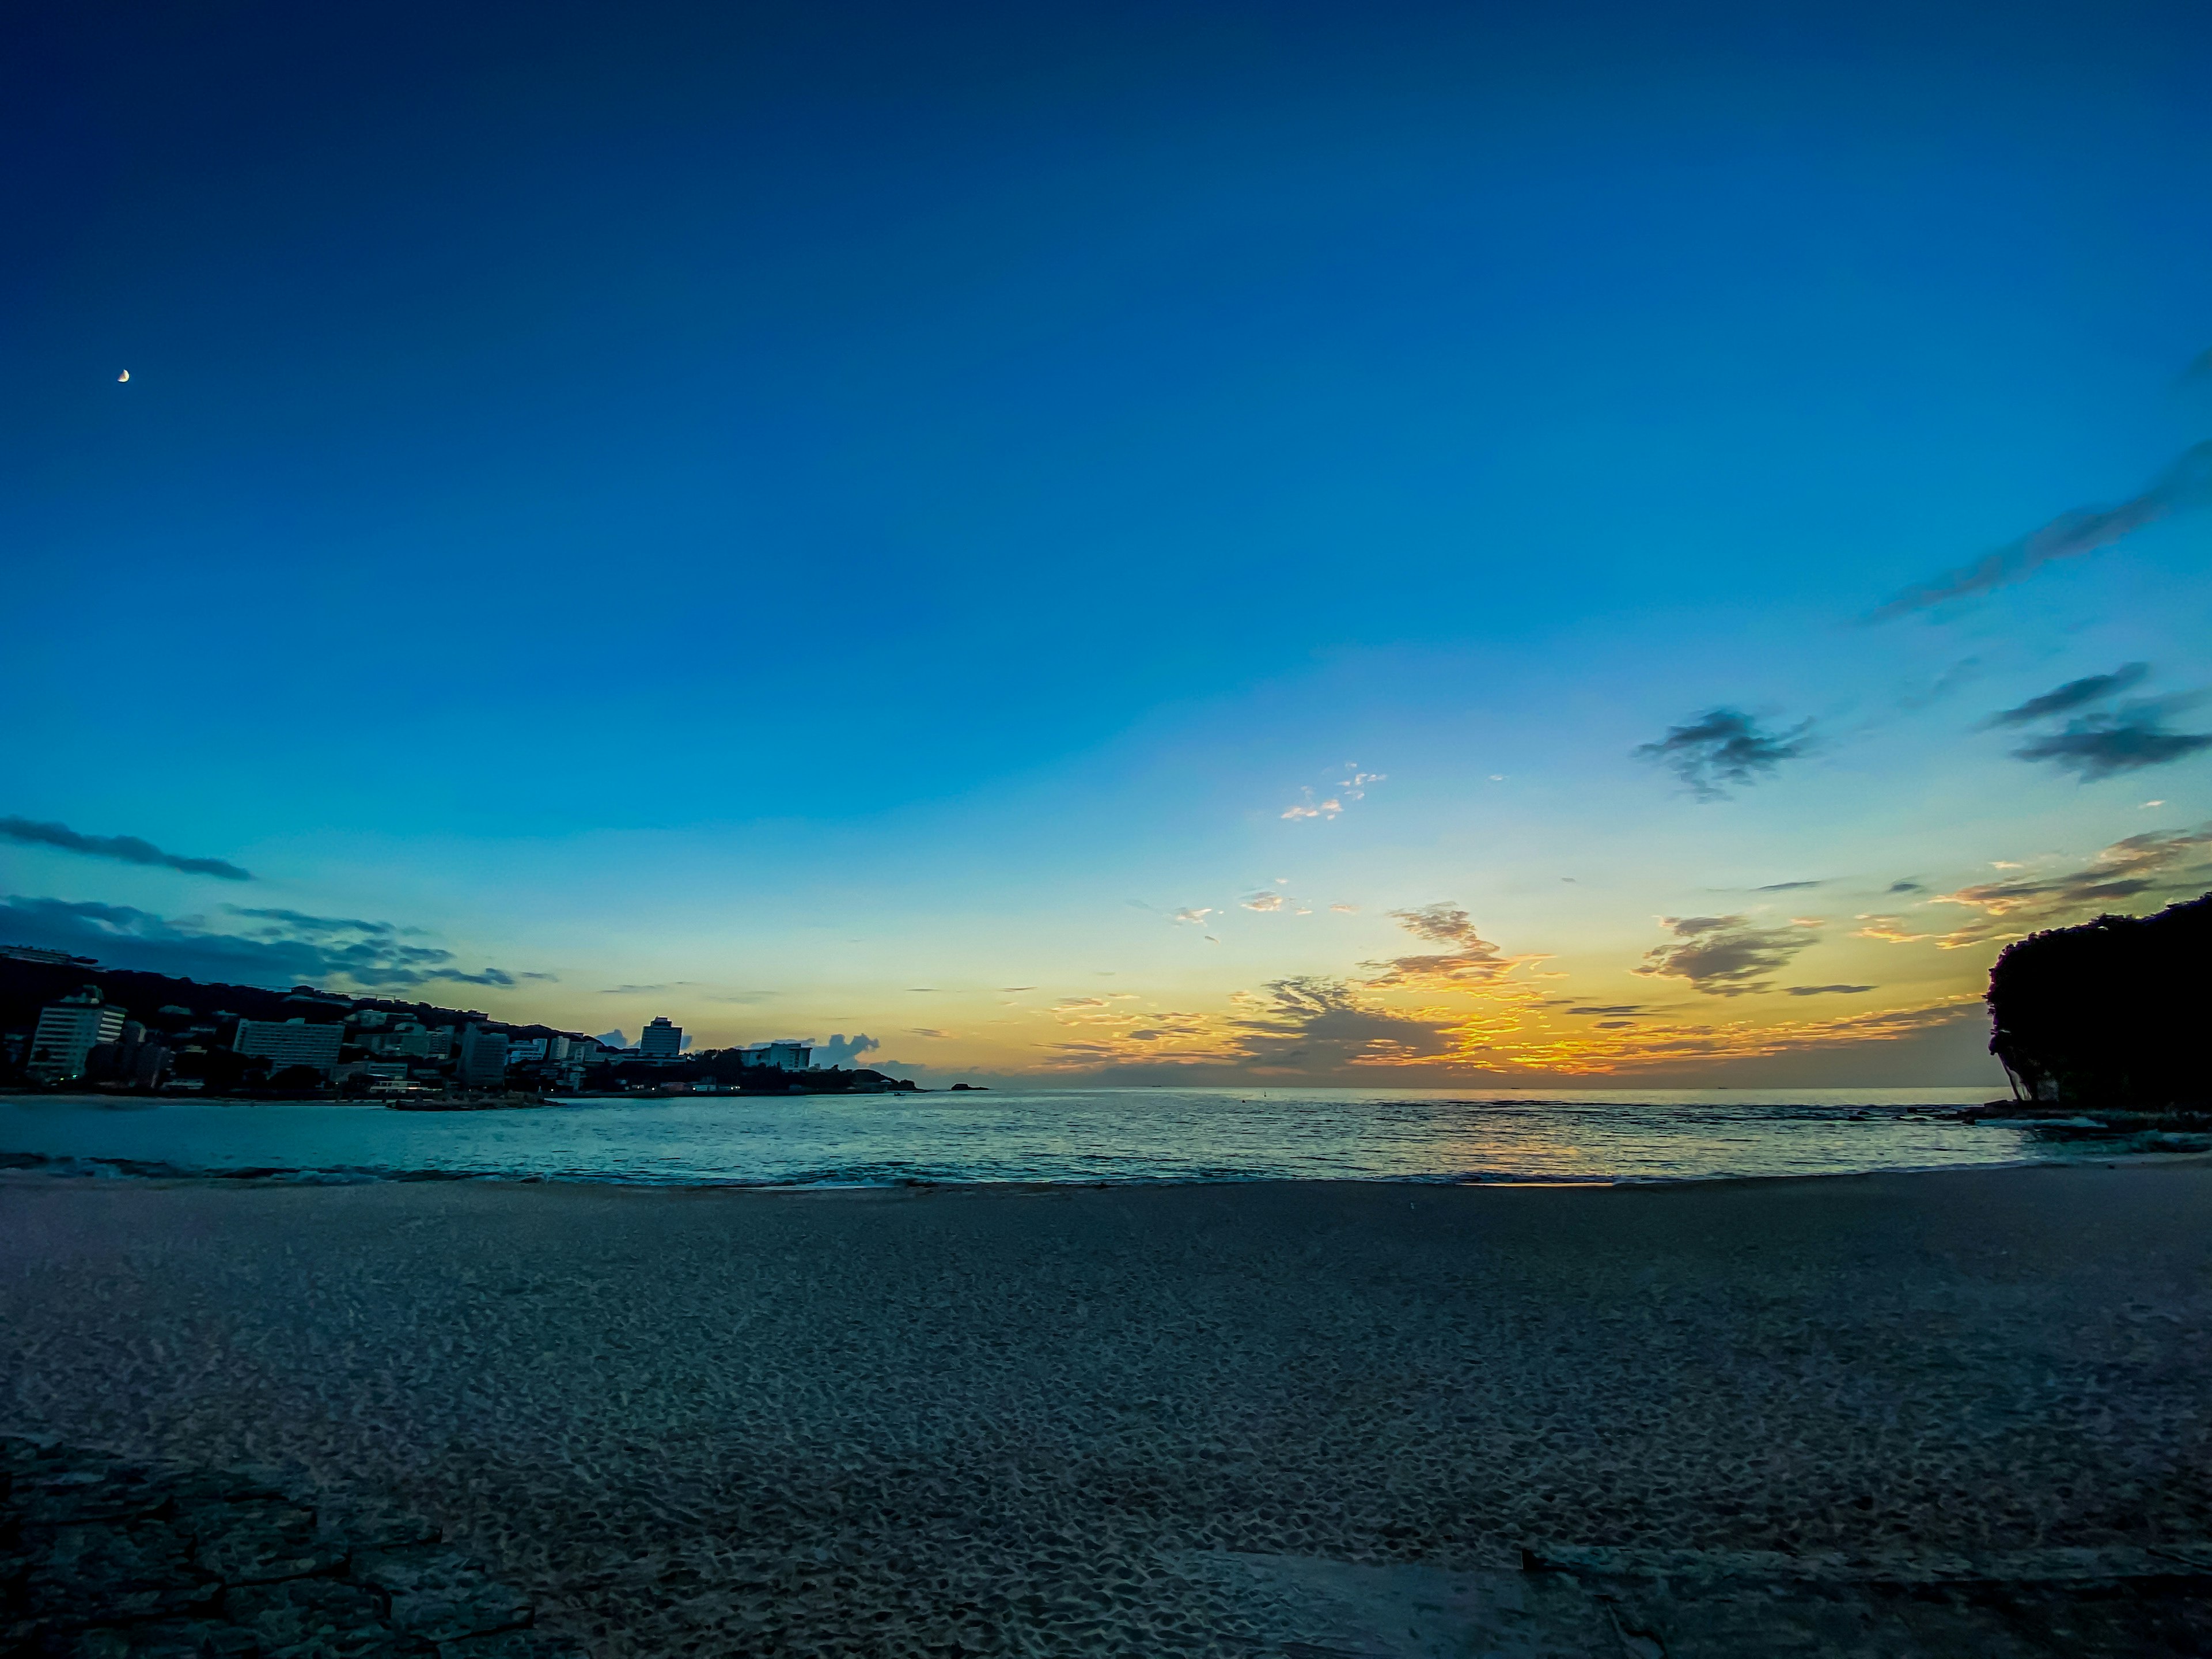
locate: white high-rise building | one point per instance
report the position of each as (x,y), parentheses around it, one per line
(69,1030)
(779,1056)
(660,1039)
(287,1042)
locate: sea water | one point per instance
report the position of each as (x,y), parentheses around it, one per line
(1067,1135)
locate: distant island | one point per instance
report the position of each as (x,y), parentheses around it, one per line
(2104,1016)
(68,1023)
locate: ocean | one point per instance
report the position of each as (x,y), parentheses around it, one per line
(1071,1135)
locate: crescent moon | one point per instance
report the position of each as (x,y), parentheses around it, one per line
(125,375)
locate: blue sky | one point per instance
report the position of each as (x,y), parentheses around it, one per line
(791,508)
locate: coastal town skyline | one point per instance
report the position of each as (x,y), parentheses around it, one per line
(1377,551)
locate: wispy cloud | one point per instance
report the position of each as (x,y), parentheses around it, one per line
(1726,955)
(2138,867)
(1468,958)
(1313,808)
(928,1032)
(1262,901)
(1195,915)
(1723,748)
(2075,693)
(1346,909)
(288,949)
(1787,886)
(2183,487)
(1353,786)
(125,849)
(1827,990)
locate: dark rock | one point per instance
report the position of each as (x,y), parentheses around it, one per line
(92,1575)
(255,1543)
(511,1644)
(105,1559)
(440,1594)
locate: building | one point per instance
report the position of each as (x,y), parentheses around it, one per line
(483,1058)
(779,1056)
(527,1051)
(70,1029)
(660,1039)
(287,1043)
(409,1039)
(132,1059)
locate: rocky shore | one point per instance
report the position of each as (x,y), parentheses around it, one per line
(100,1556)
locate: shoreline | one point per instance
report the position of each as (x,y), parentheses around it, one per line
(120,1171)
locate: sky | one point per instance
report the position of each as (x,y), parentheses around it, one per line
(1393,545)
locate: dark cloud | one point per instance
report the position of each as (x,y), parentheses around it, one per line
(300,922)
(1724,956)
(2075,693)
(1314,1023)
(280,954)
(2106,745)
(1827,990)
(128,849)
(2183,487)
(1907,886)
(1723,747)
(1616,1008)
(1787,886)
(1471,957)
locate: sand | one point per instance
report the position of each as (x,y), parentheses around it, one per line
(1025,1421)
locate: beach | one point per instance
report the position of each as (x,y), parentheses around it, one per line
(1022,1420)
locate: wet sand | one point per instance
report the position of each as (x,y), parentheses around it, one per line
(1007,1420)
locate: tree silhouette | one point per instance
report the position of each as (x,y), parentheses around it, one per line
(2107,1014)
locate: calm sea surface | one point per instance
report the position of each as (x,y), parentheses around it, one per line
(1115,1135)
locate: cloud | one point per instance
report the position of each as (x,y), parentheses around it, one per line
(1724,956)
(929,1032)
(2183,487)
(1196,917)
(636,990)
(127,850)
(2107,745)
(1314,1023)
(2075,693)
(1826,990)
(839,1049)
(1611,1009)
(1263,900)
(1310,808)
(1723,747)
(1787,886)
(1470,959)
(1346,909)
(1010,989)
(2153,864)
(291,949)
(1907,886)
